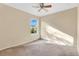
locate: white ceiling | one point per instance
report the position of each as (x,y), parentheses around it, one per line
(57,7)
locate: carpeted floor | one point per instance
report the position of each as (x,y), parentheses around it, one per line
(40,48)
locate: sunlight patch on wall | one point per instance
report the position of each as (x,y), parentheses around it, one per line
(56,36)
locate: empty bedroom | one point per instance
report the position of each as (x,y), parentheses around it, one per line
(39,29)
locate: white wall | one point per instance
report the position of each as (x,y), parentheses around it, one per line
(64,22)
(14,27)
(78,29)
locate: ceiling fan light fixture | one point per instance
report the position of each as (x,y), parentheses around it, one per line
(44,7)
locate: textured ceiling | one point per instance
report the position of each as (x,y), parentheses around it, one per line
(28,7)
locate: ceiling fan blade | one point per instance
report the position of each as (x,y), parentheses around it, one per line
(45,9)
(48,6)
(41,4)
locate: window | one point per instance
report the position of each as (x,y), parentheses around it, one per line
(34,23)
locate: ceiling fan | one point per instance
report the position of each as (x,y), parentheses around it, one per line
(42,6)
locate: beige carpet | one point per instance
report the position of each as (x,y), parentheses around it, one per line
(40,48)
